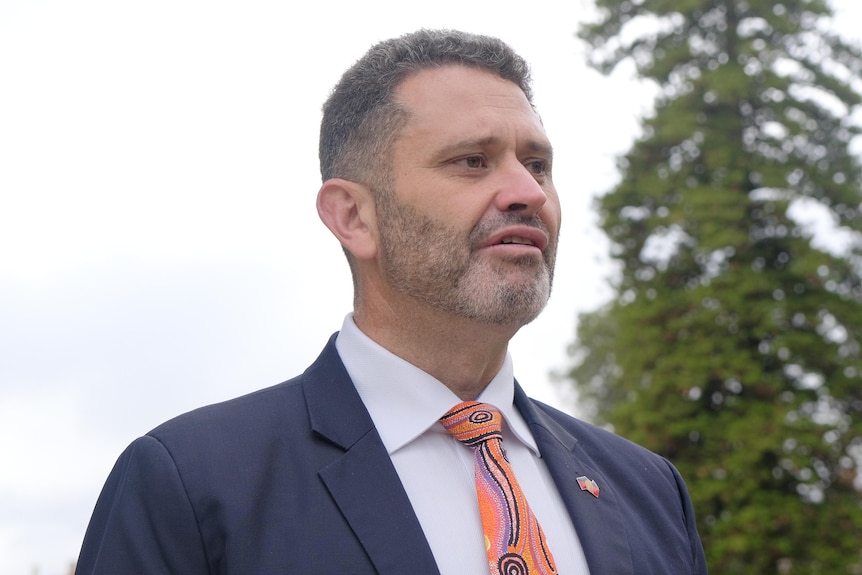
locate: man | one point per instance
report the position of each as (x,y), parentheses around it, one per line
(438,184)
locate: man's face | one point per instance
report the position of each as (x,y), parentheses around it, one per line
(470,223)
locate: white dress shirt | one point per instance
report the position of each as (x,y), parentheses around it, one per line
(436,471)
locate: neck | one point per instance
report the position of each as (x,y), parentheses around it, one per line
(462,354)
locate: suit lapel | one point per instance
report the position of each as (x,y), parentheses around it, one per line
(598,521)
(362,481)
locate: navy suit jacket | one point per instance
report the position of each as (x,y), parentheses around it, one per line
(294,479)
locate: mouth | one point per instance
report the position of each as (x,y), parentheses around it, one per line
(517,240)
(527,236)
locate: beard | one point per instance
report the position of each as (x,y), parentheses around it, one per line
(419,260)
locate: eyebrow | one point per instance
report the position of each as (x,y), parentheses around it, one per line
(542,147)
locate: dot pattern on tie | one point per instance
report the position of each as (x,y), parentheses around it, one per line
(514,540)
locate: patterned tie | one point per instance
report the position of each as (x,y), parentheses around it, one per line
(515,542)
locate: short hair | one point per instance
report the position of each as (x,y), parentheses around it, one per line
(361,118)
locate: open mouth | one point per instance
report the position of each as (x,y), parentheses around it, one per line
(526,236)
(517,240)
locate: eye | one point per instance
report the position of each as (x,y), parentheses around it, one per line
(472,162)
(538,167)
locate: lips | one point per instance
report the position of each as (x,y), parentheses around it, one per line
(519,235)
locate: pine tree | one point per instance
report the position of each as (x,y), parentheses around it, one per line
(733,343)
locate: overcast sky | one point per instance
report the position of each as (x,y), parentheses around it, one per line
(159,245)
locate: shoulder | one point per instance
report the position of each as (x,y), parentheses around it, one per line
(254,437)
(270,410)
(214,440)
(615,455)
(235,415)
(647,488)
(588,435)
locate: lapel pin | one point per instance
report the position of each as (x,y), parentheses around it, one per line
(587,484)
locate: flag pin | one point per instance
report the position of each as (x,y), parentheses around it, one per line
(587,484)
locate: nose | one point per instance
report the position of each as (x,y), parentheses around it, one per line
(519,191)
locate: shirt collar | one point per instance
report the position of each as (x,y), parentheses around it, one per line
(404,402)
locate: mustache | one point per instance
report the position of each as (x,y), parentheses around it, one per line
(489,225)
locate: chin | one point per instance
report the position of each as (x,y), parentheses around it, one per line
(511,307)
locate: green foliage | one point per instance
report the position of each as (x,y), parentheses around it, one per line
(733,344)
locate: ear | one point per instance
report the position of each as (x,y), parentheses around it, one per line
(347,209)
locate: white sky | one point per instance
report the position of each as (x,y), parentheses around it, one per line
(159,246)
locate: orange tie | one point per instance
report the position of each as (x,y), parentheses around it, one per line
(515,542)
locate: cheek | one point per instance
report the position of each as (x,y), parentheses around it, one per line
(462,217)
(441,200)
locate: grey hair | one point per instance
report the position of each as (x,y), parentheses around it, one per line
(361,118)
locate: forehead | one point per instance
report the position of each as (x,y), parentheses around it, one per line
(453,100)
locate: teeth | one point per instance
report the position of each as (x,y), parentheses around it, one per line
(516,240)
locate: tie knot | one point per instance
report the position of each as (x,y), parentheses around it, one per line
(472,422)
